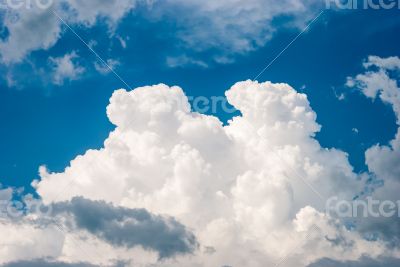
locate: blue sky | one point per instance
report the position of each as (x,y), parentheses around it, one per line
(47,124)
(103,163)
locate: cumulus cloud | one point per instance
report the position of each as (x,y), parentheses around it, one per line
(248,193)
(247,190)
(66,68)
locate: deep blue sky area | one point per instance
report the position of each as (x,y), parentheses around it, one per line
(45,124)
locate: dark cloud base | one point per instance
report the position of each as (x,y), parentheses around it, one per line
(129,228)
(363,262)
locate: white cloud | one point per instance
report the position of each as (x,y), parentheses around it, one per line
(29,30)
(241,188)
(35,28)
(183,61)
(123,41)
(25,241)
(87,12)
(390,63)
(66,68)
(379,83)
(233,26)
(382,83)
(229,26)
(105,69)
(5,194)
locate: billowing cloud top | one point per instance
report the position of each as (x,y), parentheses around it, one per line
(242,188)
(248,193)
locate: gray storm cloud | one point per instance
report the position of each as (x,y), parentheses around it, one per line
(128,227)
